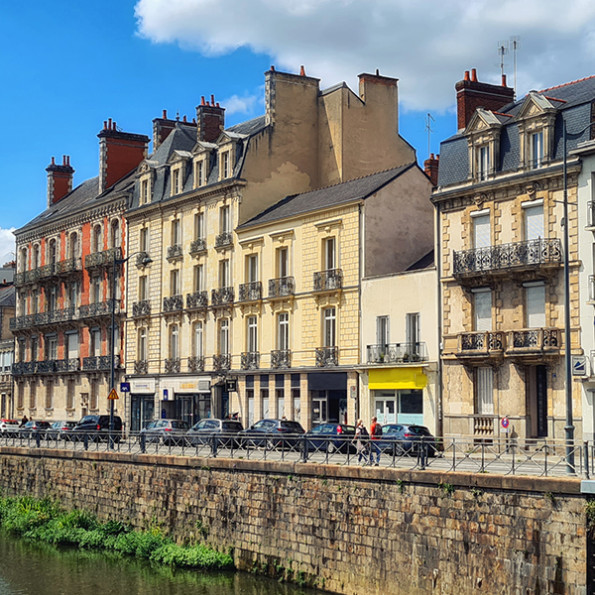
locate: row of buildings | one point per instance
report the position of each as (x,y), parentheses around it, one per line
(301,264)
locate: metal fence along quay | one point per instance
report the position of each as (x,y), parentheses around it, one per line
(543,458)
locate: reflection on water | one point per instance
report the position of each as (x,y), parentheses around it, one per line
(30,569)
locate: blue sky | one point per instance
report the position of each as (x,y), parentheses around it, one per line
(68,66)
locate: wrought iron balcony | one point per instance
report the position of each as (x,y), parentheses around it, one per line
(141,366)
(98,309)
(104,258)
(47,271)
(100,363)
(24,368)
(174,252)
(222,296)
(197,246)
(142,308)
(196,363)
(481,343)
(222,362)
(172,365)
(32,276)
(505,258)
(395,353)
(281,287)
(198,300)
(250,360)
(47,366)
(224,239)
(174,303)
(329,280)
(327,357)
(68,266)
(533,341)
(250,292)
(281,358)
(72,364)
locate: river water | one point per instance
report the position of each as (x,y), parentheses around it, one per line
(32,569)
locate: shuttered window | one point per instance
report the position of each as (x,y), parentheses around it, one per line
(483,310)
(535,306)
(534,224)
(481,231)
(484,391)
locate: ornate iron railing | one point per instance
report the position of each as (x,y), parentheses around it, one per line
(98,309)
(100,363)
(72,364)
(222,296)
(482,341)
(24,368)
(281,287)
(281,358)
(172,365)
(174,303)
(197,300)
(68,266)
(47,271)
(507,256)
(250,292)
(197,246)
(327,357)
(328,280)
(391,353)
(224,239)
(534,339)
(142,308)
(103,258)
(250,360)
(141,366)
(174,252)
(196,363)
(222,362)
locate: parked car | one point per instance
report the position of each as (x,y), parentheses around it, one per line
(96,428)
(273,433)
(167,431)
(331,437)
(402,439)
(32,428)
(59,430)
(202,432)
(9,427)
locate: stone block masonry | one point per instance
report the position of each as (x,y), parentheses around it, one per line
(343,529)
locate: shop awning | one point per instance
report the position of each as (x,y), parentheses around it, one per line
(397,378)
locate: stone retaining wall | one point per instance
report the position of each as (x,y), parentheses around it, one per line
(345,529)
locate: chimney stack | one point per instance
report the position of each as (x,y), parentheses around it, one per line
(119,153)
(431,168)
(472,94)
(59,179)
(210,120)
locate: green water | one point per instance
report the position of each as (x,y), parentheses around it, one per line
(31,569)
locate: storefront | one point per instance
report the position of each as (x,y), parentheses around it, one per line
(328,397)
(186,399)
(142,403)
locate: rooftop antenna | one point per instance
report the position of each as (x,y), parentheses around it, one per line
(514,41)
(502,51)
(429,121)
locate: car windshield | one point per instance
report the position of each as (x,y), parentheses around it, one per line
(418,430)
(292,426)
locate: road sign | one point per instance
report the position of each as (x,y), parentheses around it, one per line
(113,395)
(579,365)
(231,385)
(124,387)
(505,423)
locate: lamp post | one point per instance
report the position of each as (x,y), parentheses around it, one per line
(116,263)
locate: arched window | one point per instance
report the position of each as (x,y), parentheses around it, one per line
(115,239)
(96,243)
(73,248)
(35,263)
(52,252)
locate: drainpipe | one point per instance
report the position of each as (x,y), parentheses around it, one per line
(439,391)
(359,306)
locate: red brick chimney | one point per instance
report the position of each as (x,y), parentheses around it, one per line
(431,168)
(59,179)
(472,94)
(119,153)
(163,126)
(210,120)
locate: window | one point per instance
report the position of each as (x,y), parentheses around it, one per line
(483,162)
(199,226)
(199,281)
(199,172)
(115,239)
(537,149)
(382,331)
(51,347)
(283,331)
(34,349)
(96,290)
(330,257)
(35,263)
(224,277)
(176,237)
(32,396)
(412,330)
(144,192)
(225,165)
(174,332)
(49,395)
(73,293)
(224,336)
(535,305)
(70,394)
(533,220)
(197,339)
(484,391)
(282,262)
(329,330)
(225,219)
(72,346)
(481,229)
(176,181)
(482,308)
(142,288)
(93,396)
(96,244)
(174,282)
(141,354)
(143,239)
(252,268)
(52,252)
(73,245)
(95,342)
(252,334)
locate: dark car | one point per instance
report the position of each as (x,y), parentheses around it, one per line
(32,428)
(168,431)
(402,439)
(202,432)
(273,433)
(59,430)
(96,428)
(331,437)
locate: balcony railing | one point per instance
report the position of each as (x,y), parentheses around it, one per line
(534,340)
(103,259)
(224,239)
(328,280)
(250,292)
(506,257)
(196,363)
(392,353)
(24,368)
(98,309)
(197,246)
(32,276)
(142,308)
(222,296)
(481,342)
(281,358)
(327,357)
(281,287)
(47,271)
(483,425)
(68,266)
(100,363)
(174,252)
(198,300)
(172,365)
(141,366)
(174,303)
(44,318)
(72,364)
(222,362)
(250,360)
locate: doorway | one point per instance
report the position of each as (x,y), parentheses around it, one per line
(536,387)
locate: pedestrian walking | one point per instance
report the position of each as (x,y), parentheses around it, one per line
(361,440)
(375,435)
(24,421)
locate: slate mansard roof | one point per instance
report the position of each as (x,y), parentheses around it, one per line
(572,102)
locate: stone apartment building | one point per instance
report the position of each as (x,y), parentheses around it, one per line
(499,202)
(203,331)
(65,260)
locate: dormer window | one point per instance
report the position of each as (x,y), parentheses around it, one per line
(176,181)
(144,192)
(225,165)
(200,172)
(536,141)
(483,162)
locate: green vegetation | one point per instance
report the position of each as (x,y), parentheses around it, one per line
(590,513)
(447,488)
(44,521)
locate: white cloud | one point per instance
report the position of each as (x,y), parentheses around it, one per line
(240,105)
(7,245)
(426,44)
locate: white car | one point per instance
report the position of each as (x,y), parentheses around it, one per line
(9,427)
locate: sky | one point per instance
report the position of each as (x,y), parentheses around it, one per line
(68,66)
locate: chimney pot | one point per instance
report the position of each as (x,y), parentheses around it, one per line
(184,118)
(302,71)
(164,116)
(212,100)
(377,72)
(466,75)
(53,161)
(105,124)
(504,80)
(474,75)
(109,123)
(272,68)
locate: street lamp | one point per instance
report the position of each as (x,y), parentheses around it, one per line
(116,263)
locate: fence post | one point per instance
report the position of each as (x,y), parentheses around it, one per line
(38,439)
(86,441)
(143,443)
(586,453)
(304,449)
(214,445)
